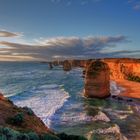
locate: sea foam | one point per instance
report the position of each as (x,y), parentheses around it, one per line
(44,101)
(115,89)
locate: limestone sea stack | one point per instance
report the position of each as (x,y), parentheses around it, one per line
(50,65)
(97,80)
(67,65)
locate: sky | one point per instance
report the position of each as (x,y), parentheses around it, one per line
(41,30)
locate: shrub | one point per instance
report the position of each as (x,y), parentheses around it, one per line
(18,119)
(23,137)
(64,136)
(2,137)
(49,137)
(33,136)
(133,78)
(28,110)
(9,134)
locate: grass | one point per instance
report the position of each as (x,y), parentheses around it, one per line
(133,78)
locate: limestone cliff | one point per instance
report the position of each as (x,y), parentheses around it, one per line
(120,68)
(123,68)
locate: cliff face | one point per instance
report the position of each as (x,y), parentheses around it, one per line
(123,68)
(120,68)
(97,80)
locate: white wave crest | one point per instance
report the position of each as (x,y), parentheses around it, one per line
(115,89)
(45,102)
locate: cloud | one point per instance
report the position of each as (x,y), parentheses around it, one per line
(4,33)
(137,7)
(70,2)
(135,4)
(61,47)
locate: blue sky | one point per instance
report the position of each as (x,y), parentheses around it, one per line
(49,29)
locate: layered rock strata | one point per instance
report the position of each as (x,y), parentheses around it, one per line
(97,80)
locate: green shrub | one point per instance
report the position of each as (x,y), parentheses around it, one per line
(28,110)
(18,119)
(33,136)
(64,136)
(49,137)
(9,134)
(23,137)
(2,137)
(10,101)
(133,78)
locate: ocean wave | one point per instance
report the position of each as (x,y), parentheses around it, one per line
(46,101)
(119,114)
(115,89)
(82,118)
(115,130)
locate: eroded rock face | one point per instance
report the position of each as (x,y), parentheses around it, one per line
(31,122)
(97,80)
(123,68)
(67,65)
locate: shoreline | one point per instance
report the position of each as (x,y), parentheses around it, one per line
(131,89)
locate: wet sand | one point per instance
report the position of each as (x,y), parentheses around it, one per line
(132,89)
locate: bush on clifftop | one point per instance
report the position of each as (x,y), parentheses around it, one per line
(133,78)
(18,119)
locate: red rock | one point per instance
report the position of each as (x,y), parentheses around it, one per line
(1,96)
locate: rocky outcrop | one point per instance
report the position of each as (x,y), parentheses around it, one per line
(67,65)
(123,68)
(97,80)
(55,63)
(111,133)
(50,65)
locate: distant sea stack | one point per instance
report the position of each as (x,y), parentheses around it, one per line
(97,80)
(50,65)
(67,65)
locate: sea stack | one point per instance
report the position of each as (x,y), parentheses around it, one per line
(66,65)
(50,65)
(97,80)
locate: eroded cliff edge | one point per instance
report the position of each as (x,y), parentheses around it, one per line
(18,123)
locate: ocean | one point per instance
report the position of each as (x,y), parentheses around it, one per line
(57,98)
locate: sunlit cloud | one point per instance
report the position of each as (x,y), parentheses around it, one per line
(70,2)
(137,7)
(61,47)
(135,4)
(4,33)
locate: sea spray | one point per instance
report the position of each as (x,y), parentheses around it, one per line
(115,89)
(44,101)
